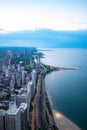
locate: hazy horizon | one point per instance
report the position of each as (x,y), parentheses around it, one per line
(45,38)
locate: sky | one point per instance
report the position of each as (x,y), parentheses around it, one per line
(16,15)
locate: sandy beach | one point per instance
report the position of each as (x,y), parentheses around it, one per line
(63,122)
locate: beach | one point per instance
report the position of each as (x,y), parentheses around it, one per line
(63,122)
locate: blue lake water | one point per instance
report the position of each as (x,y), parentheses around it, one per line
(68,89)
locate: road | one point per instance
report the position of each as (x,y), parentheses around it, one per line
(41,118)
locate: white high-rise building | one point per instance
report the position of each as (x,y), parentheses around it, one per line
(7,72)
(33,73)
(12,118)
(24,98)
(19,68)
(13,97)
(30,89)
(38,62)
(23,77)
(12,84)
(23,111)
(27,80)
(13,78)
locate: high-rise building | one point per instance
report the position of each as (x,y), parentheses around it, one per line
(23,111)
(13,78)
(33,73)
(27,79)
(4,67)
(7,72)
(23,77)
(18,82)
(6,81)
(17,76)
(1,79)
(38,63)
(19,69)
(30,89)
(13,97)
(12,118)
(2,121)
(12,86)
(24,98)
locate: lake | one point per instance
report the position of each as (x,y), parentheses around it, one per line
(68,88)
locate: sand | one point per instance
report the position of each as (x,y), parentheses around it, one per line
(64,123)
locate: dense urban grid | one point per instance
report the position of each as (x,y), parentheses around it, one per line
(24,101)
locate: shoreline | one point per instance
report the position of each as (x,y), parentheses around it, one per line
(62,122)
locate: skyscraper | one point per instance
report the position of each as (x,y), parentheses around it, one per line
(12,86)
(12,118)
(2,121)
(33,73)
(18,67)
(24,98)
(7,72)
(23,77)
(30,89)
(23,111)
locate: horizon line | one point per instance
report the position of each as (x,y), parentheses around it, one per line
(43,47)
(2,31)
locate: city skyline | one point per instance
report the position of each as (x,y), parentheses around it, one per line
(23,15)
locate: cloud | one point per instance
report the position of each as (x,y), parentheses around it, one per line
(32,14)
(2,31)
